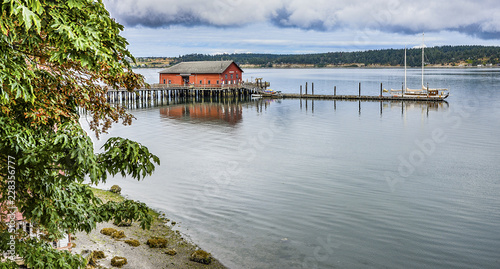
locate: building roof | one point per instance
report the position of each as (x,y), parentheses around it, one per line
(203,67)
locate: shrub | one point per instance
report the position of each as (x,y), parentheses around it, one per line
(108,231)
(116,189)
(133,242)
(157,242)
(201,256)
(118,261)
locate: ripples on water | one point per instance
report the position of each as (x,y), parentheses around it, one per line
(291,184)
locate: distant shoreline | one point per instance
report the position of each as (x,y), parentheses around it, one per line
(243,66)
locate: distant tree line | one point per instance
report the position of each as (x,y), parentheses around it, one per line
(473,55)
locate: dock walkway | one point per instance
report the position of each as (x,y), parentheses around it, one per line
(357,97)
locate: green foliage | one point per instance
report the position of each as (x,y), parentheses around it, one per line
(39,254)
(56,56)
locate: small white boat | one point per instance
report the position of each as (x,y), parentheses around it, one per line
(271,93)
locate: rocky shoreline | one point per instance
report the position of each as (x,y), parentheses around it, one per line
(176,253)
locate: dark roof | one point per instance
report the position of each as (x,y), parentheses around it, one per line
(203,67)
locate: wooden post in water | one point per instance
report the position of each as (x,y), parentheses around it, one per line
(312,89)
(334,90)
(359,89)
(306,88)
(380,89)
(300,90)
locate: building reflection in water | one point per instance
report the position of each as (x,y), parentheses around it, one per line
(205,112)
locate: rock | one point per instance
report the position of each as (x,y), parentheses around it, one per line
(94,256)
(118,261)
(157,242)
(85,253)
(115,189)
(118,235)
(171,252)
(108,231)
(133,242)
(98,254)
(201,256)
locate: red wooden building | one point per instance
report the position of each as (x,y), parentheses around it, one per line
(212,73)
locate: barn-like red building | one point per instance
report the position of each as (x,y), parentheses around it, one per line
(213,73)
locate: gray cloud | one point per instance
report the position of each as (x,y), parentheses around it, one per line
(479,18)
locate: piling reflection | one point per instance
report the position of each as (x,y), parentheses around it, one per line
(404,106)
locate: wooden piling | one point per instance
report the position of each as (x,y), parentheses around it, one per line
(312,88)
(359,89)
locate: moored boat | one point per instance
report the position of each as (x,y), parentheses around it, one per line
(425,93)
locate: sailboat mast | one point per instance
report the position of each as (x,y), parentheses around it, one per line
(423,45)
(404,88)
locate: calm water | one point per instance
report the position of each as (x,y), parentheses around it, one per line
(323,184)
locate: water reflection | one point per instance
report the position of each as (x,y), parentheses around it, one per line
(205,112)
(405,106)
(226,112)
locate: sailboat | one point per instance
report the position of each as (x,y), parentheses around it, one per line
(425,93)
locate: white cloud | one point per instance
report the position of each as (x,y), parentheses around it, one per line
(476,18)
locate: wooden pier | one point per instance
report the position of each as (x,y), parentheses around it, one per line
(351,97)
(357,97)
(164,93)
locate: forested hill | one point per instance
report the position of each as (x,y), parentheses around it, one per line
(445,55)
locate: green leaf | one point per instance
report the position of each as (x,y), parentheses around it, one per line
(30,18)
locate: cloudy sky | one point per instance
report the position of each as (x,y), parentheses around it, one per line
(178,27)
